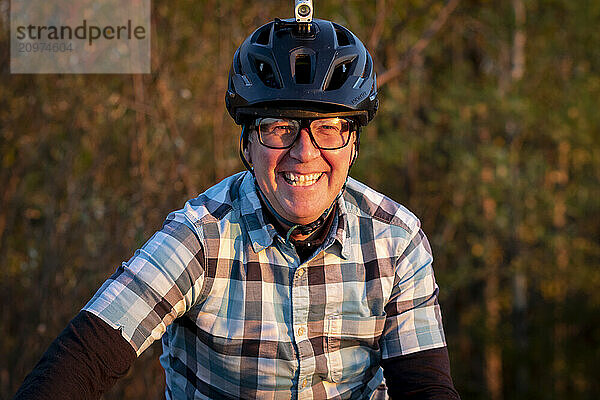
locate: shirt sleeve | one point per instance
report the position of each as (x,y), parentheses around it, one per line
(420,376)
(84,361)
(159,283)
(413,317)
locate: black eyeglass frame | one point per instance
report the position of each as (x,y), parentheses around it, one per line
(305,123)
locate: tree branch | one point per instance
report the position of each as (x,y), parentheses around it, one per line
(419,46)
(518,56)
(379,23)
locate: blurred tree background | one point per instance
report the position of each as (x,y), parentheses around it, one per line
(488,130)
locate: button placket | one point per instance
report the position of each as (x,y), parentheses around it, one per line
(300,300)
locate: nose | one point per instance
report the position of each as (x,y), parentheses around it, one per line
(304,149)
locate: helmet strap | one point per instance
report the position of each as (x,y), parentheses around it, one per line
(242,155)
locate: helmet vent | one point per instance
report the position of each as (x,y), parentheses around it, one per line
(339,76)
(368,67)
(342,37)
(266,74)
(263,36)
(238,63)
(303,69)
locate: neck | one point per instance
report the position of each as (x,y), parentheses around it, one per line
(294,228)
(297,236)
(297,233)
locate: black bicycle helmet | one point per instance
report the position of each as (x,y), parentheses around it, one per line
(279,71)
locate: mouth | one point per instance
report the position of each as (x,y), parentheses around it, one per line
(295,179)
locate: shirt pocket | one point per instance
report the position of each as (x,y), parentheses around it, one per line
(352,345)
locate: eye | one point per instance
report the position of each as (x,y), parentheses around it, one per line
(281,129)
(327,126)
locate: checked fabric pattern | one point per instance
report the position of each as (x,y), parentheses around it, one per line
(241,317)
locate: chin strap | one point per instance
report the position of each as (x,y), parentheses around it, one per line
(243,135)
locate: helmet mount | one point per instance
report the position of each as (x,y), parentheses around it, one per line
(300,29)
(304,12)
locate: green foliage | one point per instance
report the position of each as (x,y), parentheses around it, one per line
(501,167)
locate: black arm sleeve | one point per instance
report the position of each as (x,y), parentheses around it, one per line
(83,362)
(419,376)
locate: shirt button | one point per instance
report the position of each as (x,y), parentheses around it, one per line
(300,272)
(304,382)
(300,331)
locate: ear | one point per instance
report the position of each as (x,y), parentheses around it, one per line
(355,144)
(247,149)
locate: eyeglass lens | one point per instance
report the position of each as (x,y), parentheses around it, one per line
(327,133)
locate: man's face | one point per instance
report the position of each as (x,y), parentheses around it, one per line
(301,182)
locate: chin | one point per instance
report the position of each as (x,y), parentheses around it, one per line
(304,217)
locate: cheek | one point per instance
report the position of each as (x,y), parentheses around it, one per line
(340,163)
(264,163)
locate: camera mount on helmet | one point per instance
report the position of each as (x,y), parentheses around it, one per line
(304,13)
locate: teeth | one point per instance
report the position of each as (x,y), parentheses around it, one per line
(301,180)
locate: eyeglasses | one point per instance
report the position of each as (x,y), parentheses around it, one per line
(325,133)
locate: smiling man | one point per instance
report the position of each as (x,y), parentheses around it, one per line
(287,281)
(301,169)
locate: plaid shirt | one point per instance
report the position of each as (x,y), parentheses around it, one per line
(241,316)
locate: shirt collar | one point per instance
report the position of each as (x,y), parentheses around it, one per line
(342,234)
(261,232)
